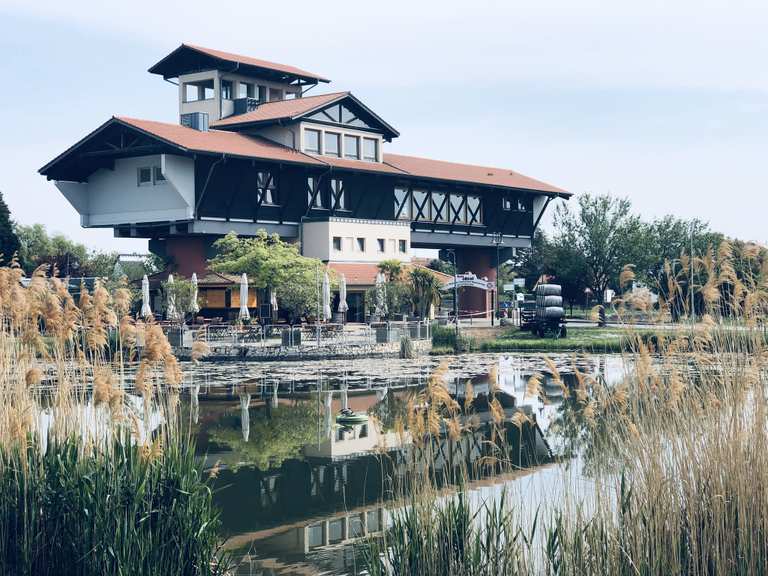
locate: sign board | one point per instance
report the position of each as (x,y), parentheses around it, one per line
(505,304)
(519,282)
(520,298)
(509,287)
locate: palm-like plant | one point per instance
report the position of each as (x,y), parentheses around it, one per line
(426,290)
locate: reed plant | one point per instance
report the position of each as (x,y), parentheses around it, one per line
(678,453)
(95,478)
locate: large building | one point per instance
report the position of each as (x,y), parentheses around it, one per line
(255,149)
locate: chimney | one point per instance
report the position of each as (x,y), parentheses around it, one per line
(195,120)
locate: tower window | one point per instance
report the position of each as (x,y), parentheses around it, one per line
(226,90)
(361,244)
(380,242)
(246,90)
(202,90)
(403,246)
(315,201)
(275,94)
(337,243)
(158,175)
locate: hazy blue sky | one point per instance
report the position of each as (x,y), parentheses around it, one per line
(665,103)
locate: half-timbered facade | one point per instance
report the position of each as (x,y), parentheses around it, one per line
(253,150)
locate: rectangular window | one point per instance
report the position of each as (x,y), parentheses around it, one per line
(275,94)
(474,212)
(370,149)
(201,90)
(312,141)
(420,205)
(144,176)
(312,200)
(266,189)
(226,90)
(524,205)
(381,244)
(439,207)
(261,93)
(337,243)
(332,144)
(246,90)
(506,204)
(351,147)
(158,175)
(458,209)
(402,246)
(402,204)
(361,244)
(338,196)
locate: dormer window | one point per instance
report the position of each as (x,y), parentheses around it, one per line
(352,147)
(370,150)
(312,141)
(332,144)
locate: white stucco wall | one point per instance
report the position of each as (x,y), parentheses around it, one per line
(112,197)
(317,240)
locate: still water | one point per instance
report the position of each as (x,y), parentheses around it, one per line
(296,490)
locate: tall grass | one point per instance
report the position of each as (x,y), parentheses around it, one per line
(93,480)
(678,450)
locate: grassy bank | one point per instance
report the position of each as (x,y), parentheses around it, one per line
(94,480)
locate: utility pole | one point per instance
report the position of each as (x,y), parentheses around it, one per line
(452,252)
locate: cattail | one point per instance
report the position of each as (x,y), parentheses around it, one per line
(533,388)
(519,419)
(200,349)
(103,386)
(497,412)
(33,377)
(626,276)
(469,395)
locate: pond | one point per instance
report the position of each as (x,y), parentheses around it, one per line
(296,490)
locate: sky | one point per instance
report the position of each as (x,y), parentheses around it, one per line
(665,103)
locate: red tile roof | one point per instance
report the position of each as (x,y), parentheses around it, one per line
(469,173)
(240,59)
(248,146)
(281,109)
(364,273)
(219,141)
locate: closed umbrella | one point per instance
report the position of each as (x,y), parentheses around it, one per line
(194,306)
(381,296)
(343,294)
(273,299)
(170,311)
(326,297)
(146,309)
(244,314)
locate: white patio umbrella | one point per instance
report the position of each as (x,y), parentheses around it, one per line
(194,306)
(170,311)
(244,314)
(343,307)
(245,416)
(326,297)
(146,309)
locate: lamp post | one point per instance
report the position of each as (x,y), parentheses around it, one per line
(452,252)
(498,241)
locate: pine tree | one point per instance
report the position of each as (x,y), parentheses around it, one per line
(9,242)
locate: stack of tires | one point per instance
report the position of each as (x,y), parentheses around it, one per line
(550,314)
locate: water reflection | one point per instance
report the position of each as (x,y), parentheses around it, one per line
(294,487)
